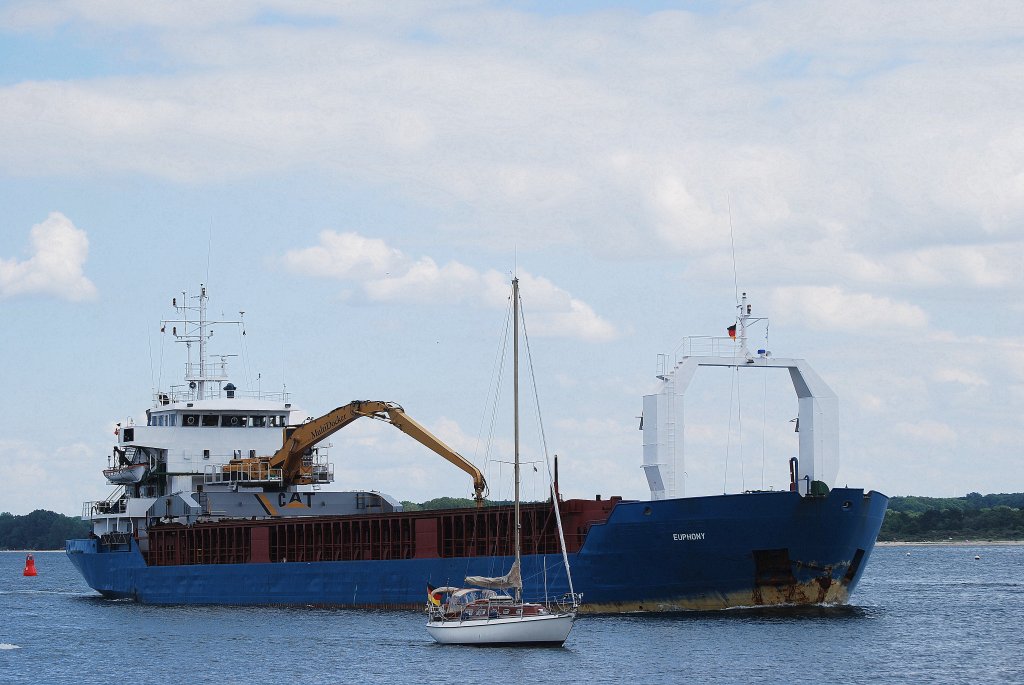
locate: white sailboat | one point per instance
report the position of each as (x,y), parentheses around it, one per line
(485,613)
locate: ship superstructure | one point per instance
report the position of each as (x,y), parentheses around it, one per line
(196,458)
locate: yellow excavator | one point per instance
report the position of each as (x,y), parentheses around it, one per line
(299,440)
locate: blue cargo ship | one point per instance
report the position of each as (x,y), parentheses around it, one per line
(204,516)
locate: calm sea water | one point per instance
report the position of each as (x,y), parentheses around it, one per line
(935,616)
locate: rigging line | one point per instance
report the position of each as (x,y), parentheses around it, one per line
(764,420)
(498,379)
(536,397)
(739,424)
(160,373)
(152,372)
(209,251)
(240,329)
(547,461)
(764,406)
(728,434)
(732,242)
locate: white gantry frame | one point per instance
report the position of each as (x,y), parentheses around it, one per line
(816,419)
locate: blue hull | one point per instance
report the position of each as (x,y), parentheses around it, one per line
(699,553)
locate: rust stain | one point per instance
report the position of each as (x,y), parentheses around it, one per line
(817,591)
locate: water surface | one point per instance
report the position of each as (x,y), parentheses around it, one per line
(936,615)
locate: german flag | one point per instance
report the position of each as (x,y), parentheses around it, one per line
(732,331)
(431,597)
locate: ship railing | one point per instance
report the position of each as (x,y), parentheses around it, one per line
(116,538)
(104,507)
(183,393)
(317,466)
(234,474)
(707,346)
(206,372)
(322,473)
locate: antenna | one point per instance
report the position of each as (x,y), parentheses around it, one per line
(732,241)
(209,251)
(194,327)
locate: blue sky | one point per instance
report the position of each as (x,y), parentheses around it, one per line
(361,180)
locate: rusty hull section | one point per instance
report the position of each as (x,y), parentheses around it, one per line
(822,590)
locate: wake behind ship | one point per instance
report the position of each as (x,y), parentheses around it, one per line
(219,501)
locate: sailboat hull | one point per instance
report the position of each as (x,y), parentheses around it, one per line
(551,629)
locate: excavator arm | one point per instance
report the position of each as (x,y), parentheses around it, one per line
(299,439)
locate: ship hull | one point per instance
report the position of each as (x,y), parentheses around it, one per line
(699,553)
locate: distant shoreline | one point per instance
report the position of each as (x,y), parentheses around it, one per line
(949,543)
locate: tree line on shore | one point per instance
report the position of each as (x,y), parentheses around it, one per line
(910,519)
(972,517)
(41,529)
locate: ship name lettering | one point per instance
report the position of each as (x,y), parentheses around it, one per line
(284,500)
(687,536)
(326,427)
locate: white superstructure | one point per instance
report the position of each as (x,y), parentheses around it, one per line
(172,467)
(663,409)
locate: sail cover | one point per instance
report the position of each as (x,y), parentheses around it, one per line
(509,580)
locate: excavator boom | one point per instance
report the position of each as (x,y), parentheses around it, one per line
(299,439)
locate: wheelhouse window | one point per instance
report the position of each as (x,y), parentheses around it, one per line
(259,421)
(234,421)
(190,419)
(276,421)
(210,419)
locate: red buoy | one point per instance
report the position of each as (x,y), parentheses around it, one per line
(30,566)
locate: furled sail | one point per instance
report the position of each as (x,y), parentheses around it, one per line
(509,580)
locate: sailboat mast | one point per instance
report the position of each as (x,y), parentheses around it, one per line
(515,401)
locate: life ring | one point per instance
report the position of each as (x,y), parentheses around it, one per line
(190,420)
(234,420)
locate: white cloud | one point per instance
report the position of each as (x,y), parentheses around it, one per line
(387,275)
(983,266)
(835,309)
(962,376)
(59,251)
(506,120)
(935,432)
(189,14)
(872,163)
(50,478)
(345,256)
(869,402)
(424,281)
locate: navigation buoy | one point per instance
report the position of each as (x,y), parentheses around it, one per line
(30,566)
(977,556)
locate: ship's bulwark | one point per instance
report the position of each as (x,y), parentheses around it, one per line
(695,553)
